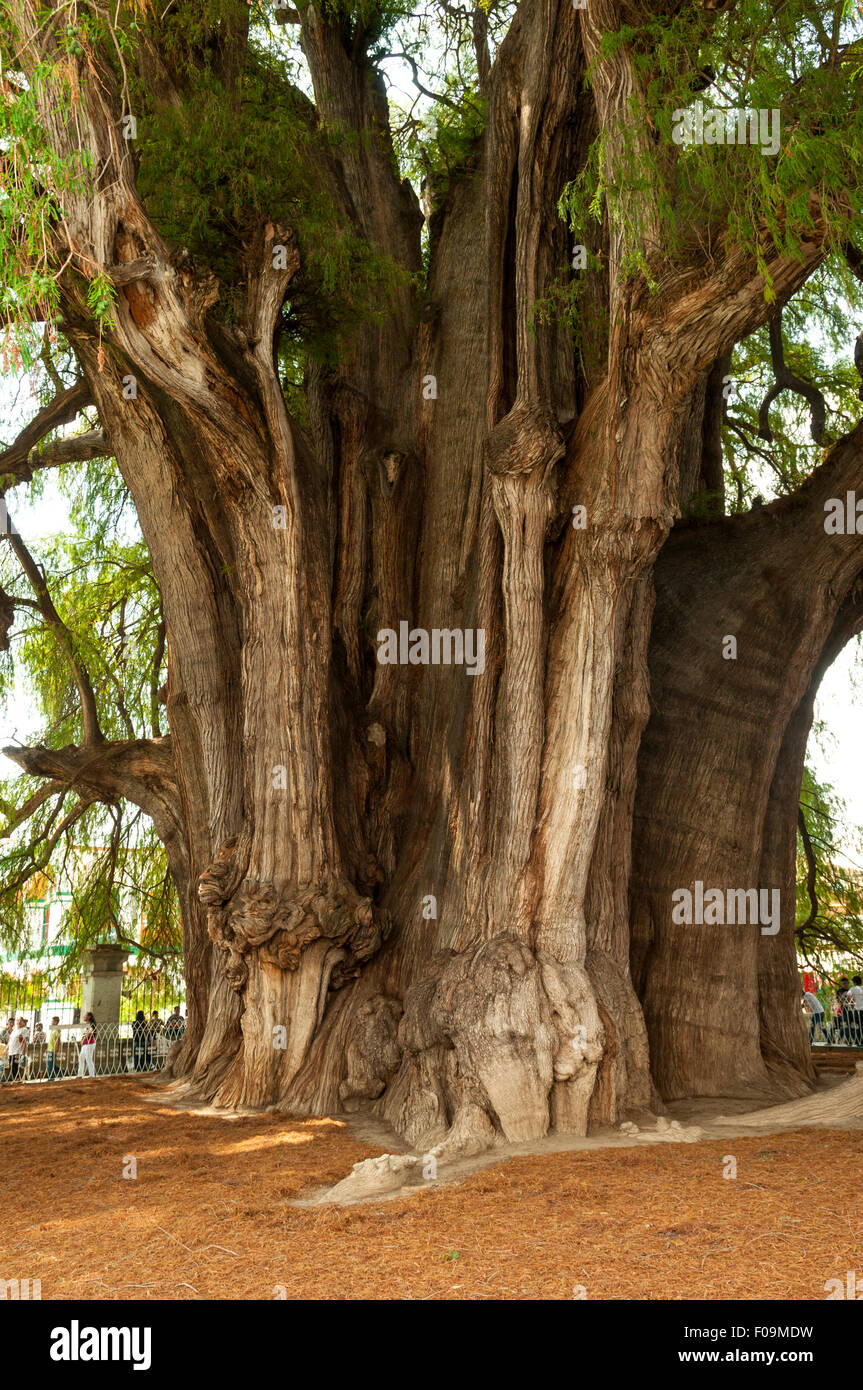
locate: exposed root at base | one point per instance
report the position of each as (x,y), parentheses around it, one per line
(842,1102)
(666,1132)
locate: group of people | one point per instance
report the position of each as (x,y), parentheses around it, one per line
(18,1044)
(846,1023)
(147,1052)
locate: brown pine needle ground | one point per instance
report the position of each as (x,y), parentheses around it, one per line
(208,1216)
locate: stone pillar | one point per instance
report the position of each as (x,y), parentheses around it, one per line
(102,982)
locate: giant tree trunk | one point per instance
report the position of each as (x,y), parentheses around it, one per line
(406,885)
(719,780)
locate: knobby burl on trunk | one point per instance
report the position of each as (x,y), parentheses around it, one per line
(416,881)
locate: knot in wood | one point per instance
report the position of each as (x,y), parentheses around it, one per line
(527,440)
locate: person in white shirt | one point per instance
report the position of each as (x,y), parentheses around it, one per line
(815,1010)
(855,993)
(17,1048)
(854,1002)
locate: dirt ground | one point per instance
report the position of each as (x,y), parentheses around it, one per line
(210,1214)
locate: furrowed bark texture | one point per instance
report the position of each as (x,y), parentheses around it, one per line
(407,886)
(719,777)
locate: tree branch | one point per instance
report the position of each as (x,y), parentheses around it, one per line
(65,406)
(48,840)
(75,448)
(48,362)
(138,770)
(30,806)
(132,272)
(92,732)
(479,21)
(158,654)
(350,95)
(811,870)
(696,317)
(433,96)
(786,380)
(741,429)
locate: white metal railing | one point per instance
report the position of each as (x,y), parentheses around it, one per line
(836,1030)
(117,1051)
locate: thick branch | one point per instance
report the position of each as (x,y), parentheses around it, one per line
(132,272)
(351,95)
(65,406)
(75,448)
(140,770)
(697,318)
(480,43)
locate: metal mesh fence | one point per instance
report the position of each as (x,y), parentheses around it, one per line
(138,1042)
(836,1030)
(120,1048)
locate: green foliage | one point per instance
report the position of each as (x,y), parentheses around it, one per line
(114,867)
(101,298)
(34,183)
(232,158)
(835,932)
(798,60)
(103,588)
(376,16)
(437,140)
(108,857)
(448,141)
(819,326)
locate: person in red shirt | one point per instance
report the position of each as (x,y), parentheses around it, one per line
(87,1053)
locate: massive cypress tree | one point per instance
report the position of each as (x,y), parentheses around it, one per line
(463,367)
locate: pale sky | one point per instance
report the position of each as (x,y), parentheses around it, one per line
(838,756)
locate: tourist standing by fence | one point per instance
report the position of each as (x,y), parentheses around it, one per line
(87,1054)
(854,1003)
(815,1010)
(139,1041)
(53,1048)
(17,1051)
